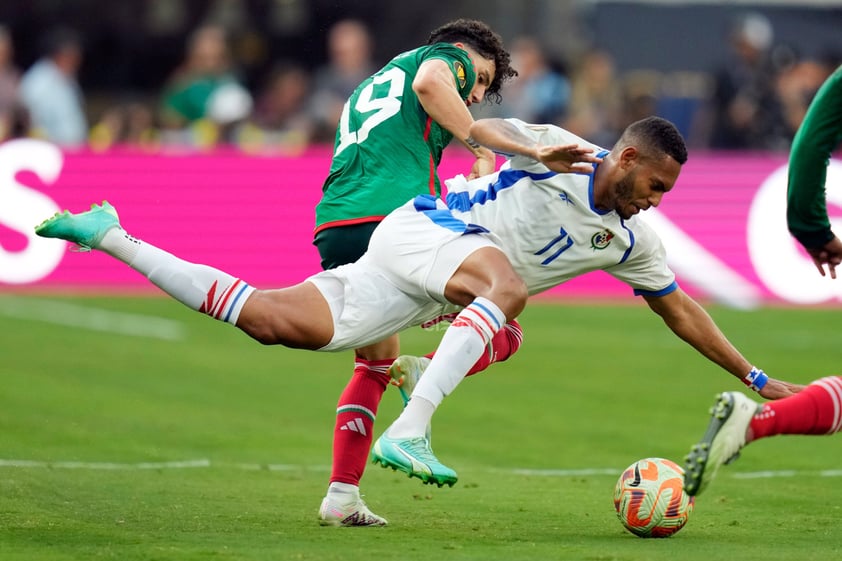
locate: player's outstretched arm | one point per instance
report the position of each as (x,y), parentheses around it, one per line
(687,319)
(504,137)
(819,134)
(436,90)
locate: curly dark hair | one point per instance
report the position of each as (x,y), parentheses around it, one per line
(480,37)
(658,136)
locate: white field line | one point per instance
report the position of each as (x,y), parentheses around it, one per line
(105,465)
(206,463)
(94,319)
(563,472)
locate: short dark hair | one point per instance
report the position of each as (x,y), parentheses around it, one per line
(655,136)
(59,39)
(480,37)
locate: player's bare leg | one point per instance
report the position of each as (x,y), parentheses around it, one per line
(297,316)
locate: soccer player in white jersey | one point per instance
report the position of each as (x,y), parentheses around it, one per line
(551,228)
(497,240)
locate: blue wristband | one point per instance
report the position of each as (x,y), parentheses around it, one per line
(755,379)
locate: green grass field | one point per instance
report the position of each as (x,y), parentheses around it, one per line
(139,430)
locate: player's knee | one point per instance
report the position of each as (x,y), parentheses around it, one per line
(257,321)
(520,294)
(511,296)
(260,330)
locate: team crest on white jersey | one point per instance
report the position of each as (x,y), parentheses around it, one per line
(600,240)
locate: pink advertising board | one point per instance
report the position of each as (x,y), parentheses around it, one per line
(252,216)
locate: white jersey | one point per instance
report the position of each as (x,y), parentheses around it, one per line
(544,221)
(547,224)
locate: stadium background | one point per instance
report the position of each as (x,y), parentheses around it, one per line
(723,223)
(132,428)
(133,45)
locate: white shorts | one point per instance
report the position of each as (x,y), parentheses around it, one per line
(399,282)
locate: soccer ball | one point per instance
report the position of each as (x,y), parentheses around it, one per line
(650,500)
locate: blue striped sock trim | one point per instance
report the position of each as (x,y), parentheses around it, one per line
(235,300)
(487,311)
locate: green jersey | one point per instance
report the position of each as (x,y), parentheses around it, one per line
(819,134)
(387,148)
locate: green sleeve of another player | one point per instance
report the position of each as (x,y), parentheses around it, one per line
(460,64)
(819,134)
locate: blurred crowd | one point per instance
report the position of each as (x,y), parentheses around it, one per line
(754,101)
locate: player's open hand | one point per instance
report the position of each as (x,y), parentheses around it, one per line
(485,163)
(568,158)
(778,389)
(830,254)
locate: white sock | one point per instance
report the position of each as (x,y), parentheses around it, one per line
(417,413)
(343,491)
(462,345)
(119,244)
(199,287)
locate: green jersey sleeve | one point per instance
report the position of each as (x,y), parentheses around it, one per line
(460,64)
(817,137)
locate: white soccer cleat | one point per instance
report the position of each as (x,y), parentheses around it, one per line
(351,513)
(722,441)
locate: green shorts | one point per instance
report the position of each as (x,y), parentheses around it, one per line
(343,244)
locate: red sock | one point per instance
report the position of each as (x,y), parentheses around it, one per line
(504,344)
(355,415)
(817,409)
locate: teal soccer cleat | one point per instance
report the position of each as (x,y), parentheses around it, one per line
(85,229)
(721,444)
(414,457)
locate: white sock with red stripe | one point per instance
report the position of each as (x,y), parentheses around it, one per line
(463,343)
(199,287)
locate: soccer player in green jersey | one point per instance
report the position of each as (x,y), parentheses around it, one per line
(818,136)
(389,142)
